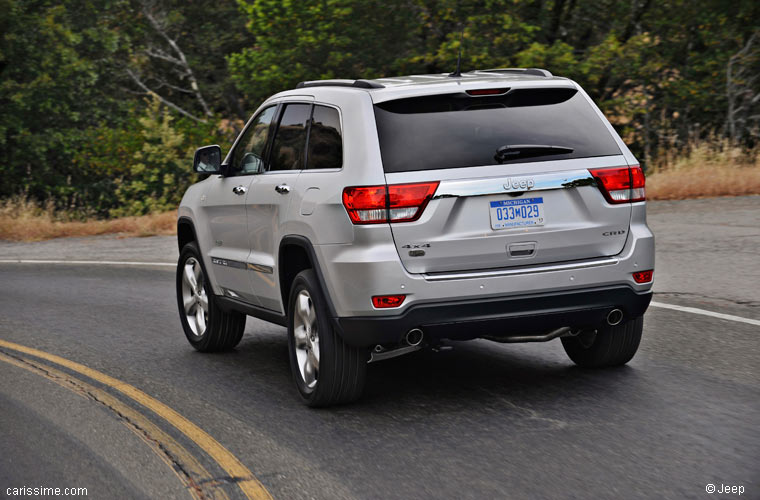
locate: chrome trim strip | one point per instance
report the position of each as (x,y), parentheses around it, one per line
(497,185)
(228,263)
(260,268)
(496,273)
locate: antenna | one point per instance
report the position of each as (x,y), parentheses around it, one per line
(458,72)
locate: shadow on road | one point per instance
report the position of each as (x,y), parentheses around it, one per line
(530,386)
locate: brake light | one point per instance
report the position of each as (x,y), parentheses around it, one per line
(387,301)
(621,184)
(643,276)
(487,91)
(392,203)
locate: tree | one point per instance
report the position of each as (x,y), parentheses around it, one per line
(310,39)
(743,91)
(54,80)
(74,74)
(159,173)
(177,53)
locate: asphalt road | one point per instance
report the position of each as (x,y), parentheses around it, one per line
(482,420)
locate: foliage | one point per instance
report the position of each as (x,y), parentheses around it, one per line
(157,175)
(313,39)
(77,131)
(53,85)
(143,188)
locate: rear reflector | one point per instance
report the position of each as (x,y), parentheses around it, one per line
(643,276)
(387,301)
(392,203)
(621,184)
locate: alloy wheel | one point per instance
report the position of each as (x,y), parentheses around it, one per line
(306,337)
(194,298)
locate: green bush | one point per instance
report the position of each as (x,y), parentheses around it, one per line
(159,172)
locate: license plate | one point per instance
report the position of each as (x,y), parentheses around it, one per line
(523,212)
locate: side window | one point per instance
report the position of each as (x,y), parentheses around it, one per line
(325,139)
(289,143)
(248,157)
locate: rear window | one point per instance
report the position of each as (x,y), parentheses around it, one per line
(325,141)
(458,130)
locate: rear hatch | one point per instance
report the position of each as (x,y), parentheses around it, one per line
(514,185)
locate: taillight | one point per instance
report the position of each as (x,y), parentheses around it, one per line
(387,301)
(615,183)
(393,203)
(367,204)
(406,202)
(638,191)
(621,184)
(643,276)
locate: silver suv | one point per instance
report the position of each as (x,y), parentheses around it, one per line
(376,217)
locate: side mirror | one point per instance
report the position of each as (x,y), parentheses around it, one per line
(208,160)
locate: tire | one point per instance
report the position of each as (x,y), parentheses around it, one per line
(325,369)
(609,346)
(207,327)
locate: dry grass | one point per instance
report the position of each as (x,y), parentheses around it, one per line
(712,168)
(22,220)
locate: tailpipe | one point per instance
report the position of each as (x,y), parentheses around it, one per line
(414,337)
(615,317)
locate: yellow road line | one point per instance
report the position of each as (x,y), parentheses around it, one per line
(197,479)
(245,479)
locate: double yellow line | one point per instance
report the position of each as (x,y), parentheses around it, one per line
(199,481)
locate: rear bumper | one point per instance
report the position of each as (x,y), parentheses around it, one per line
(370,266)
(498,317)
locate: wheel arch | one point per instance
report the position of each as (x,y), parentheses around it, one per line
(185,232)
(296,253)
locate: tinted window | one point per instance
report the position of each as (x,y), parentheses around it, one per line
(325,141)
(457,130)
(290,140)
(249,153)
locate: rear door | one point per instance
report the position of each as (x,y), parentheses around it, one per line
(270,196)
(514,185)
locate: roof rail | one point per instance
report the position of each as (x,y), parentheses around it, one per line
(360,84)
(524,71)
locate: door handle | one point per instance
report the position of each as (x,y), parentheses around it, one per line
(239,190)
(282,189)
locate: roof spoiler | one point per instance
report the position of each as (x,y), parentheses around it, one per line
(358,84)
(519,71)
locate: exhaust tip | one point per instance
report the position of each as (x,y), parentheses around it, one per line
(615,317)
(414,337)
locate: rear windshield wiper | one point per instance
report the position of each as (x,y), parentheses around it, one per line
(513,151)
